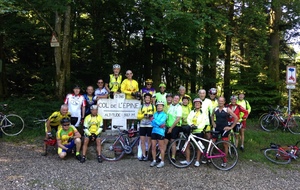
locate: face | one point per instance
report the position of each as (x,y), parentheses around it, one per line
(197,105)
(65,126)
(212,96)
(90,90)
(182,91)
(169,99)
(116,71)
(100,83)
(94,111)
(147,99)
(221,101)
(162,89)
(185,102)
(202,94)
(233,101)
(176,99)
(76,91)
(148,85)
(241,96)
(64,110)
(129,74)
(159,107)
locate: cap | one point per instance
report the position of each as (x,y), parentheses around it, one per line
(149,81)
(162,85)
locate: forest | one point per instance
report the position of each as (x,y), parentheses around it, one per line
(232,45)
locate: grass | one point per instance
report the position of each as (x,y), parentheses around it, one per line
(255,137)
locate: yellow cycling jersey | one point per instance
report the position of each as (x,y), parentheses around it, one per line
(128,87)
(197,118)
(146,109)
(93,124)
(114,83)
(64,135)
(190,104)
(55,119)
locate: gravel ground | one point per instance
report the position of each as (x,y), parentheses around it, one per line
(22,167)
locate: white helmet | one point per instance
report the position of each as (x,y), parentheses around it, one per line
(116,66)
(160,103)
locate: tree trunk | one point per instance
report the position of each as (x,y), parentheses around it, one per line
(3,84)
(157,65)
(228,45)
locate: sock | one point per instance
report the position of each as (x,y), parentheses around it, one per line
(154,160)
(77,153)
(162,162)
(173,156)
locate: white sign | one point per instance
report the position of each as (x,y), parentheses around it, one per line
(54,42)
(290,86)
(291,75)
(118,109)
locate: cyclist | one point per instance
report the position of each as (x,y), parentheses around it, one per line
(212,96)
(67,138)
(238,110)
(158,133)
(221,123)
(244,103)
(148,88)
(145,114)
(169,98)
(185,112)
(89,99)
(101,91)
(196,118)
(173,123)
(130,87)
(161,95)
(93,124)
(206,108)
(182,93)
(53,122)
(76,104)
(113,82)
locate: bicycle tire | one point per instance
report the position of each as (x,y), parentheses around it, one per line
(262,116)
(179,155)
(269,123)
(293,125)
(231,159)
(232,138)
(112,148)
(277,156)
(12,125)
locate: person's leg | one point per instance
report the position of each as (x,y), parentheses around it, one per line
(61,153)
(85,146)
(162,148)
(242,135)
(153,149)
(98,143)
(143,138)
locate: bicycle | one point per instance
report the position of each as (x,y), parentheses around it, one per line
(278,108)
(115,147)
(215,152)
(281,155)
(11,124)
(271,121)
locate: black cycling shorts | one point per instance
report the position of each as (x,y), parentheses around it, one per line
(221,131)
(155,136)
(145,131)
(174,134)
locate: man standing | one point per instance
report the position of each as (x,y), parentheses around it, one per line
(161,95)
(113,83)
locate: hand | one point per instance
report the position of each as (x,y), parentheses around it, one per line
(132,94)
(227,128)
(82,120)
(94,136)
(162,126)
(49,134)
(170,130)
(151,118)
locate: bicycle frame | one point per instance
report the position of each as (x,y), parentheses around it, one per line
(210,145)
(7,123)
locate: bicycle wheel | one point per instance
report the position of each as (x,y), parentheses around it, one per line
(269,123)
(12,125)
(293,125)
(277,156)
(112,149)
(262,116)
(179,155)
(232,138)
(227,161)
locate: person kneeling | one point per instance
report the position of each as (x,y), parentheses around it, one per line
(67,138)
(92,128)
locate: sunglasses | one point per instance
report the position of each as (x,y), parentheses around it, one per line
(212,94)
(148,84)
(66,124)
(128,73)
(100,82)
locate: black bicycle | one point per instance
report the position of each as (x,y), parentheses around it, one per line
(115,147)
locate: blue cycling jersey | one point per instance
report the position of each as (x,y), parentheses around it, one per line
(159,118)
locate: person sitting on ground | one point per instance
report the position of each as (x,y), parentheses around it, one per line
(67,138)
(53,122)
(158,133)
(92,128)
(145,114)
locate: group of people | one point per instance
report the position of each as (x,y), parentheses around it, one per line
(162,117)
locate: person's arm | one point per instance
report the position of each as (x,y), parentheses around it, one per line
(124,88)
(100,125)
(246,113)
(235,120)
(190,118)
(213,119)
(85,126)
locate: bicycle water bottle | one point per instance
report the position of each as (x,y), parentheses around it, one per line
(132,125)
(201,145)
(281,118)
(138,126)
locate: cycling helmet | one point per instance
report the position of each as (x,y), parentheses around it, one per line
(65,120)
(116,66)
(212,91)
(50,142)
(93,107)
(162,85)
(160,103)
(197,100)
(233,97)
(149,81)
